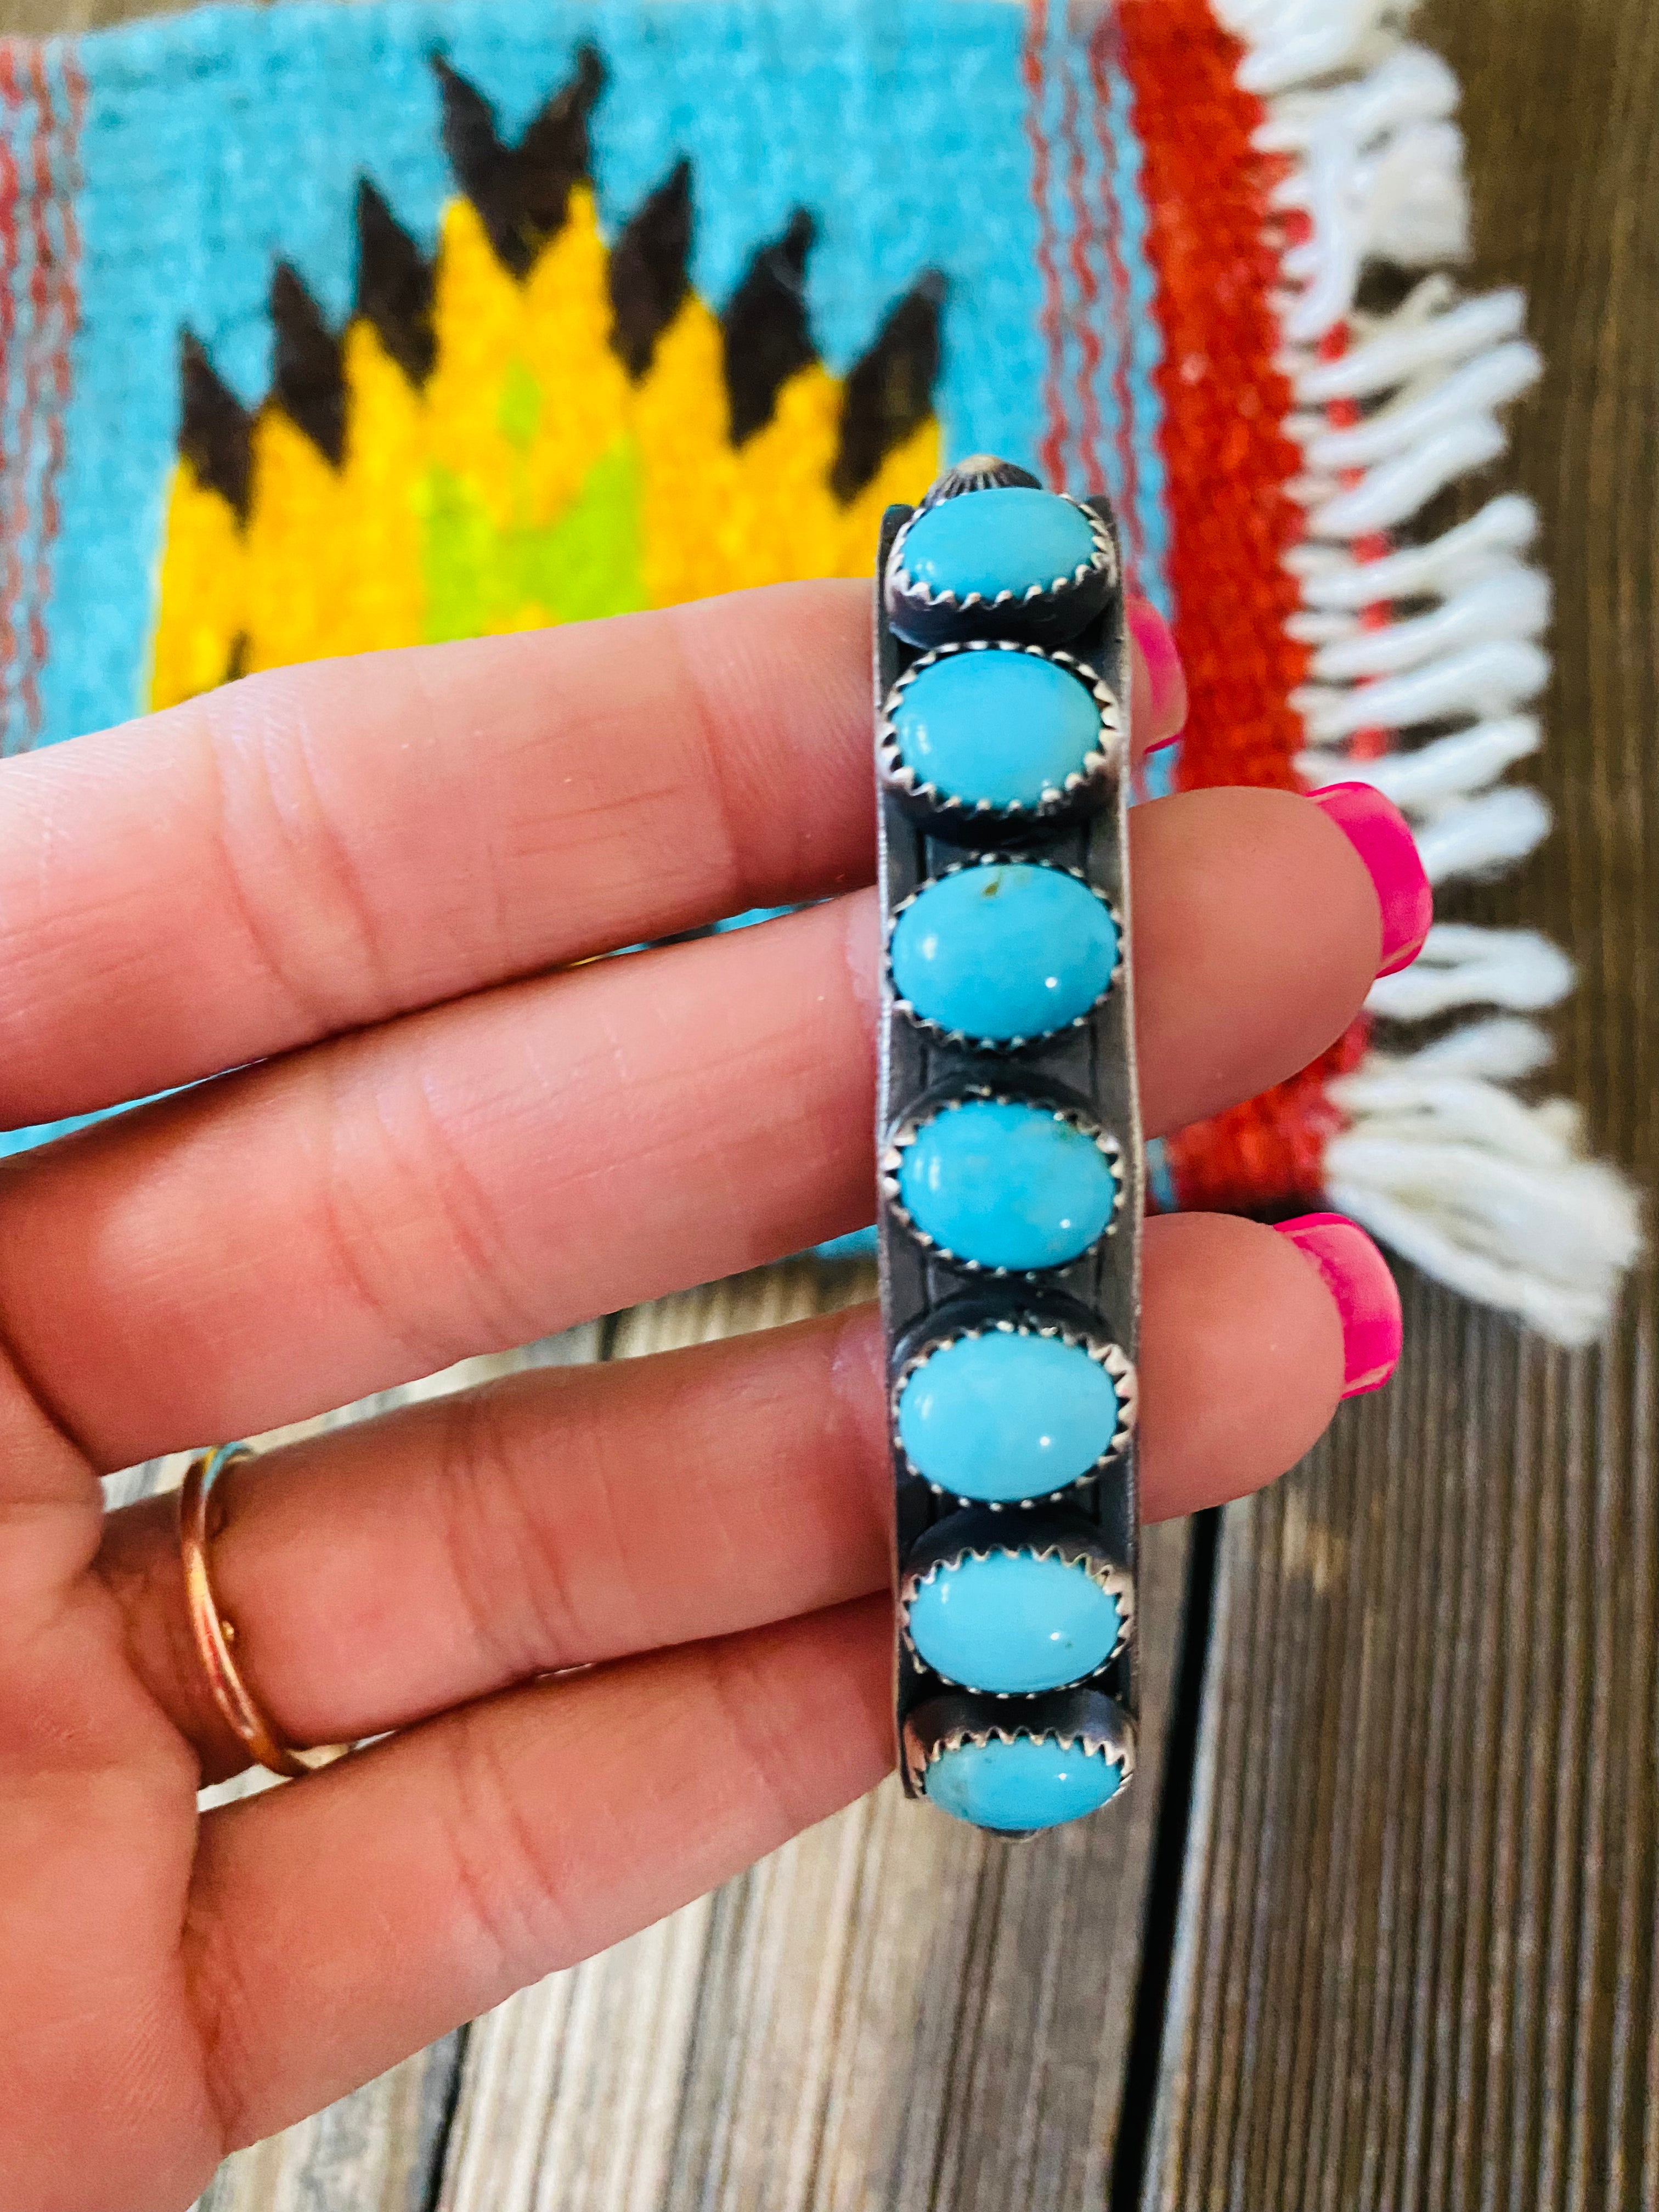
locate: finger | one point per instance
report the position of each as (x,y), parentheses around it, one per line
(385,1571)
(337,1925)
(1159,679)
(477,1175)
(320,847)
(95,1832)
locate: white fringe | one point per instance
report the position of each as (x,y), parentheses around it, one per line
(1461,965)
(1439,1156)
(1496,1198)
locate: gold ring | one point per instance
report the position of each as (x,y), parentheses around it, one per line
(198,1523)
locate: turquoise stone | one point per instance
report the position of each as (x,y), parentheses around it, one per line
(1003,1417)
(1012,1622)
(1004,539)
(1004,951)
(996,729)
(1007,1185)
(1023,1784)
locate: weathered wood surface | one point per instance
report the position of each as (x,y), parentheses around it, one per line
(888,2011)
(1416,1958)
(892,2010)
(1418,1954)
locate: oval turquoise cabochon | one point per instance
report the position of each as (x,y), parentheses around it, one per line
(996,729)
(1002,1183)
(1010,538)
(1006,1416)
(1013,1622)
(1028,1783)
(1006,950)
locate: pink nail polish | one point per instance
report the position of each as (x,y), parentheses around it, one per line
(1382,836)
(1164,673)
(1357,1276)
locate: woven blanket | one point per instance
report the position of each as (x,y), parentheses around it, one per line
(329,329)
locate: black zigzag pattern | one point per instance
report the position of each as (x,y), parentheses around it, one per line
(522,194)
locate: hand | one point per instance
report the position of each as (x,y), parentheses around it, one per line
(365,887)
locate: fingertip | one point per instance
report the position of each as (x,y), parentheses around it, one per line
(1363,1289)
(1382,838)
(1241,1366)
(1159,703)
(1255,942)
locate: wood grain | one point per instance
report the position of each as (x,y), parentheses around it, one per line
(1415,1963)
(1416,1960)
(900,2011)
(569,2096)
(893,2010)
(42,19)
(374,2151)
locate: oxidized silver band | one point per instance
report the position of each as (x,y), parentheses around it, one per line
(1011,1175)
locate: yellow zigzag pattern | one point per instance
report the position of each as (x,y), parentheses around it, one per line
(527,481)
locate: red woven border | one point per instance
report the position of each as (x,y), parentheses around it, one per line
(38,148)
(1230,464)
(11,566)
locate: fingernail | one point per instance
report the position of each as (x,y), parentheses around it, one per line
(1357,1276)
(1164,673)
(1383,837)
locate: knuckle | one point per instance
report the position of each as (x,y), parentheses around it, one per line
(505,1555)
(415,1239)
(763,1758)
(295,882)
(508,1870)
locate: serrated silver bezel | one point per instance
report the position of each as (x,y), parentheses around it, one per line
(1116,1742)
(1097,762)
(905,588)
(1110,1356)
(1115,1581)
(960,1037)
(908,1130)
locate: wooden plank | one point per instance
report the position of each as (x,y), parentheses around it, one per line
(893,2009)
(1415,1961)
(901,2011)
(1415,1956)
(45,19)
(570,2094)
(373,2151)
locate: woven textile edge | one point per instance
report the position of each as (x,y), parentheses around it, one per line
(1431,641)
